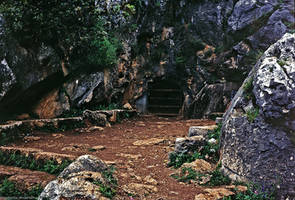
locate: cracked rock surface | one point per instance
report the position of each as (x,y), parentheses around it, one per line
(262,150)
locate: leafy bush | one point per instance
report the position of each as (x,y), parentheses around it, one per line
(75,29)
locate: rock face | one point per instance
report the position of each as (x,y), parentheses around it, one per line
(257,139)
(211,98)
(77,180)
(197,44)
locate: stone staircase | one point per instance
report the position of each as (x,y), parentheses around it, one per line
(164,101)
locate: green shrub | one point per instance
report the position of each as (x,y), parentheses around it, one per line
(76,29)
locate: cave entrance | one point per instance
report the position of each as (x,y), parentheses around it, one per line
(164,98)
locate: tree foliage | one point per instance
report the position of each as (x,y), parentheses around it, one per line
(74,28)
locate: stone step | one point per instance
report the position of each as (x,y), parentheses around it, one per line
(38,154)
(165,90)
(25,179)
(166,114)
(200,130)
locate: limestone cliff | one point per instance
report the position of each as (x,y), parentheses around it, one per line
(200,45)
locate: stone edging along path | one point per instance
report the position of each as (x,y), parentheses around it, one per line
(18,129)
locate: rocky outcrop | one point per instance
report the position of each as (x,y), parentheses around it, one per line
(80,179)
(200,45)
(257,142)
(197,44)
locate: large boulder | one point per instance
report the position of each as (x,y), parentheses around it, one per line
(257,141)
(78,181)
(81,90)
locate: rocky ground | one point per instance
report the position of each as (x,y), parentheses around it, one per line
(138,148)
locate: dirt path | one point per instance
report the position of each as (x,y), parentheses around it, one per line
(139,149)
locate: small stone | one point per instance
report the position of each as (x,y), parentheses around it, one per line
(151,141)
(214,194)
(95,128)
(31,138)
(199,165)
(200,130)
(218,120)
(58,135)
(127,106)
(148,179)
(173,192)
(130,156)
(238,188)
(212,141)
(140,189)
(98,148)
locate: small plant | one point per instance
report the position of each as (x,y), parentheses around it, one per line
(108,189)
(254,192)
(252,114)
(28,162)
(176,160)
(111,106)
(282,63)
(217,178)
(248,89)
(209,152)
(187,174)
(248,86)
(253,56)
(8,188)
(4,139)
